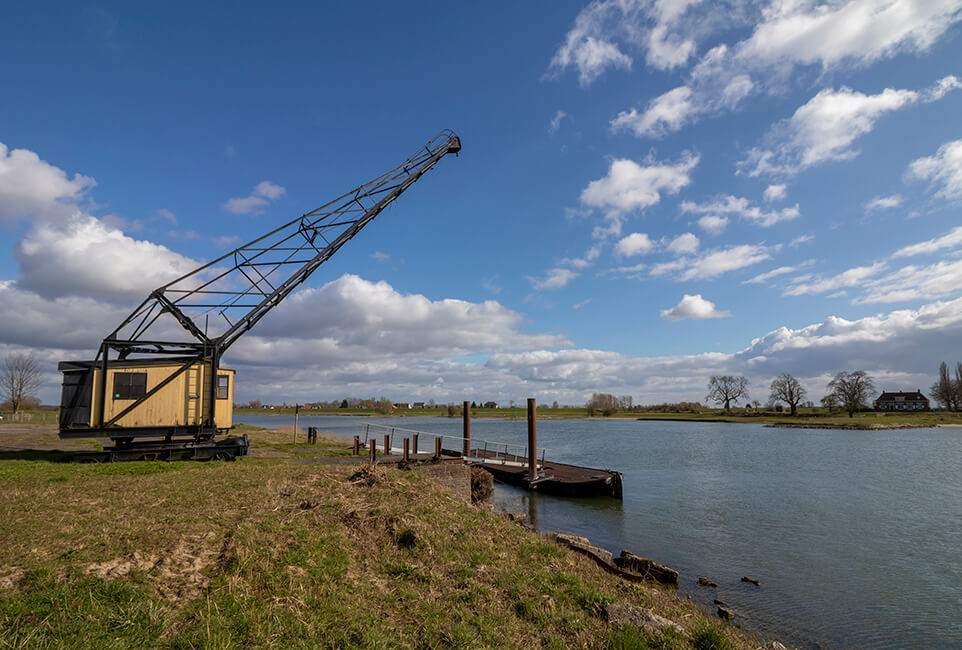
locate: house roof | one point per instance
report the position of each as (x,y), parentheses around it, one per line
(913,395)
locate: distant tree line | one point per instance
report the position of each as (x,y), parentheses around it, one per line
(607,404)
(850,391)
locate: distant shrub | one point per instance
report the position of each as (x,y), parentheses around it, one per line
(626,637)
(677,407)
(482,485)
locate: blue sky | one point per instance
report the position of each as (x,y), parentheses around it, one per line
(649,192)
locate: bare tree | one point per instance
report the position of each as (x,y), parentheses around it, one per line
(726,389)
(945,390)
(786,388)
(606,403)
(852,389)
(830,402)
(958,385)
(19,379)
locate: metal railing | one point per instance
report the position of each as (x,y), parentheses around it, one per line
(483,451)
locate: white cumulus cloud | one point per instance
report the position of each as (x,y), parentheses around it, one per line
(718,262)
(786,35)
(943,170)
(257,201)
(629,186)
(637,243)
(666,113)
(684,244)
(884,202)
(852,277)
(775,192)
(555,123)
(951,239)
(694,307)
(607,32)
(713,224)
(31,187)
(85,257)
(365,320)
(743,208)
(556,278)
(938,280)
(858,32)
(781,270)
(823,130)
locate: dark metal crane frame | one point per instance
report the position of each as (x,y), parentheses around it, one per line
(238,289)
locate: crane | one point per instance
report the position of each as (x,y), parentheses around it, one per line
(163,360)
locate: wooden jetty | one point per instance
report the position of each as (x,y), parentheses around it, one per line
(527,471)
(553,478)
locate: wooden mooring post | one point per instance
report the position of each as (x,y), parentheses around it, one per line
(466,413)
(532,440)
(373,448)
(357,445)
(414,444)
(437,448)
(387,445)
(404,457)
(551,477)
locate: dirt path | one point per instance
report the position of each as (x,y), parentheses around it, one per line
(15,436)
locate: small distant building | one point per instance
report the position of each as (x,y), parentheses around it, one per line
(490,405)
(402,405)
(902,402)
(418,405)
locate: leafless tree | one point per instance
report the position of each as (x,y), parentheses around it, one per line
(945,391)
(19,379)
(852,389)
(606,403)
(726,389)
(958,385)
(830,402)
(786,388)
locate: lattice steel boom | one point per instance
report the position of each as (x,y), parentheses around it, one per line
(220,301)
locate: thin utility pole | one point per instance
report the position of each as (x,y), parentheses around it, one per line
(297,407)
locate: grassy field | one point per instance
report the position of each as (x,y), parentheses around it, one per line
(264,552)
(36,416)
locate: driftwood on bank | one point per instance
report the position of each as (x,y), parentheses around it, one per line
(629,566)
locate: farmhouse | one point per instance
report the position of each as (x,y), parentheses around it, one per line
(902,402)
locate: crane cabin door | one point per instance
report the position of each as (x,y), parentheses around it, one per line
(194,385)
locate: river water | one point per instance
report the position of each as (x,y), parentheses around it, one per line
(855,536)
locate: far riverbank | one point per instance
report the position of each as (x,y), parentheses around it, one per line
(814,418)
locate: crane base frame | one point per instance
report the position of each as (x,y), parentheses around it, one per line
(227,449)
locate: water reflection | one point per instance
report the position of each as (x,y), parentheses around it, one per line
(562,514)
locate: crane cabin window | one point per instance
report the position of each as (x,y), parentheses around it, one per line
(223,383)
(130,385)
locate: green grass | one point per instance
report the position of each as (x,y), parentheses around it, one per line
(264,552)
(709,636)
